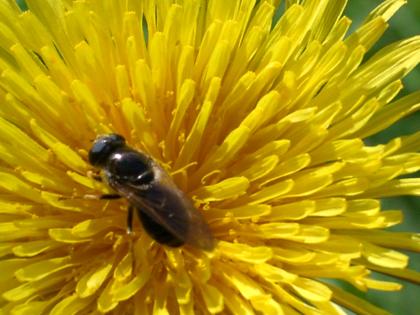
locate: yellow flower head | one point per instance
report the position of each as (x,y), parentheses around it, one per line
(260,123)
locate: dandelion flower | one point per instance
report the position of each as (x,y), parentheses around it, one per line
(260,123)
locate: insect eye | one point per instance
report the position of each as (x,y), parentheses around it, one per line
(103,147)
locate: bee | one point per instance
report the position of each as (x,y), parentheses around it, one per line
(165,212)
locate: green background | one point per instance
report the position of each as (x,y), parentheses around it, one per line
(404,24)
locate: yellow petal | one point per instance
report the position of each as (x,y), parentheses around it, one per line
(274,274)
(66,236)
(28,289)
(384,257)
(213,298)
(126,291)
(89,228)
(293,255)
(271,192)
(239,213)
(243,252)
(312,290)
(31,308)
(124,268)
(43,268)
(354,303)
(236,303)
(267,305)
(226,189)
(19,187)
(291,211)
(93,280)
(246,286)
(70,305)
(382,285)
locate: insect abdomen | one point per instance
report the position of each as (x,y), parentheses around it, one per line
(158,232)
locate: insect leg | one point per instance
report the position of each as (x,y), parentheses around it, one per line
(109,196)
(93,197)
(95,176)
(101,197)
(130,211)
(130,220)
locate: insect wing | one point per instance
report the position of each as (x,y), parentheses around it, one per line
(199,234)
(154,204)
(169,207)
(181,214)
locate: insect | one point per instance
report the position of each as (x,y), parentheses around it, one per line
(165,212)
